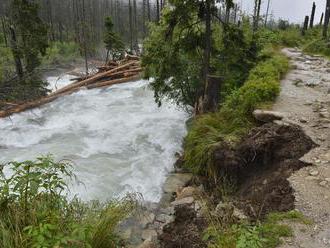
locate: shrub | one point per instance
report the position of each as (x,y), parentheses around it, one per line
(35,210)
(235,117)
(61,52)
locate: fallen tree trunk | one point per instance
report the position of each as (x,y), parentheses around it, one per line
(116,81)
(129,71)
(93,78)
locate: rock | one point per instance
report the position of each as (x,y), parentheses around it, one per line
(149,235)
(327,179)
(146,219)
(313,172)
(267,116)
(175,181)
(324,114)
(187,192)
(238,214)
(303,120)
(147,244)
(323,183)
(311,178)
(184,201)
(167,211)
(224,210)
(164,218)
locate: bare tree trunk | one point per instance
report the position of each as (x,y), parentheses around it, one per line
(321,20)
(144,18)
(326,20)
(130,24)
(15,52)
(257,15)
(267,13)
(311,24)
(158,10)
(305,27)
(149,11)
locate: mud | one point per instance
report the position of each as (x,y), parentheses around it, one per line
(261,165)
(185,232)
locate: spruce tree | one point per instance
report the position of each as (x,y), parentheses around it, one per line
(112,41)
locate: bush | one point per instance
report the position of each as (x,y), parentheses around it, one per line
(35,210)
(61,52)
(235,117)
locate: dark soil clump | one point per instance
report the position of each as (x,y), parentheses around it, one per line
(185,231)
(261,165)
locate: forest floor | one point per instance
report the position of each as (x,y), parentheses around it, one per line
(305,101)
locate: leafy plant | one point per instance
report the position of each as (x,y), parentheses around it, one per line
(35,210)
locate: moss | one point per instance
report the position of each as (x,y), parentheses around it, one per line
(235,117)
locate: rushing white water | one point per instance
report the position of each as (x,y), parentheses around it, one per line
(118,139)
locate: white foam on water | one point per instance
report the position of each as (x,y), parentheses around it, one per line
(118,138)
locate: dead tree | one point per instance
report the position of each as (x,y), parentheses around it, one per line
(305,27)
(267,13)
(321,20)
(326,20)
(311,24)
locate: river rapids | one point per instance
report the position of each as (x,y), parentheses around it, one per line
(118,138)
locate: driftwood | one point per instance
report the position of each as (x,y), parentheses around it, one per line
(126,70)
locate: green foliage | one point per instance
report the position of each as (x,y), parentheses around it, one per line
(61,52)
(265,234)
(31,31)
(225,127)
(112,41)
(35,210)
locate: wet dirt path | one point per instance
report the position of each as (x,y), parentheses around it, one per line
(305,101)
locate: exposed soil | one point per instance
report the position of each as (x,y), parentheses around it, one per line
(261,164)
(185,231)
(271,154)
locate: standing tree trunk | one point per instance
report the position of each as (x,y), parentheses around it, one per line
(4,31)
(148,10)
(267,13)
(311,24)
(326,20)
(16,54)
(305,27)
(208,102)
(257,15)
(321,20)
(130,24)
(144,18)
(158,10)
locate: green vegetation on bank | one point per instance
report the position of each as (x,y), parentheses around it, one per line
(35,210)
(235,116)
(266,234)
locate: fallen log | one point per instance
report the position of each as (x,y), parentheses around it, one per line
(115,81)
(92,79)
(124,73)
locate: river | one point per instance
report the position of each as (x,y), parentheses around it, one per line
(117,138)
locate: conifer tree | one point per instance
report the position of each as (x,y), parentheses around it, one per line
(112,41)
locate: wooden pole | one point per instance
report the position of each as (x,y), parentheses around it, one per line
(311,24)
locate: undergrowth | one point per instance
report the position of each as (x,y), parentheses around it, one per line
(35,211)
(235,116)
(265,234)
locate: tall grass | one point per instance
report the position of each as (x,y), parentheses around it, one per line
(35,210)
(225,127)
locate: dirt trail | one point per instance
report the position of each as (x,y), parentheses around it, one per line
(305,100)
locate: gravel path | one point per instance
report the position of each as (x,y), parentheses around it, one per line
(305,100)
